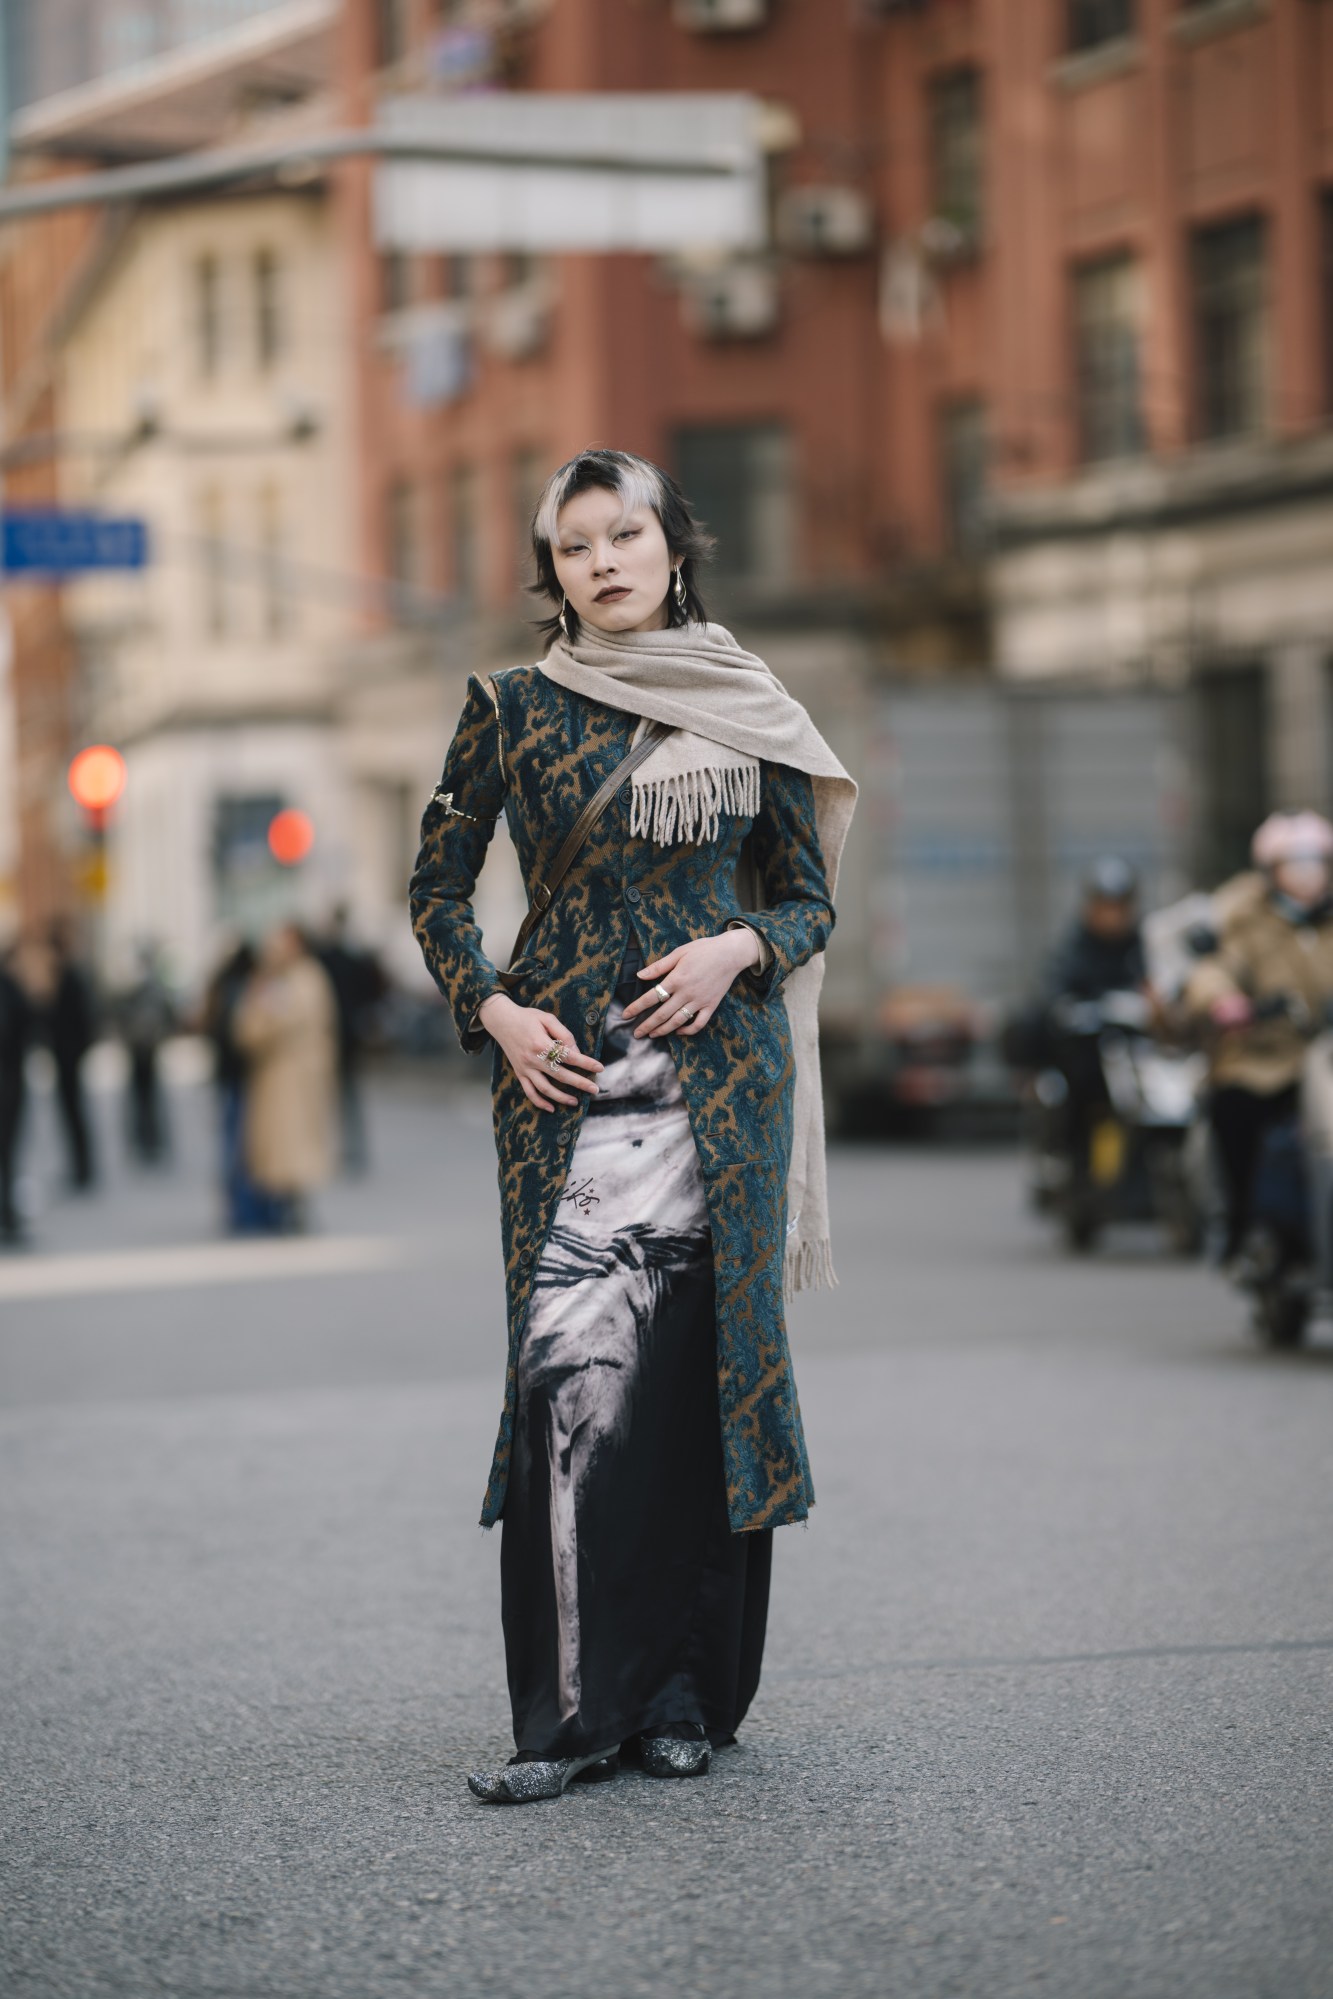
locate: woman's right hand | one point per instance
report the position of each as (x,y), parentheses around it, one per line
(525,1034)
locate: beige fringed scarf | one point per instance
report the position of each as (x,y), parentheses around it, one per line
(729,713)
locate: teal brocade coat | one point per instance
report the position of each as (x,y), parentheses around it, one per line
(537,752)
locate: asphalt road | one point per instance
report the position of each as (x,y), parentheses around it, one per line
(1046,1706)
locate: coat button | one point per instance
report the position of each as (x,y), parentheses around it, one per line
(632,895)
(524,1259)
(626,793)
(592,1015)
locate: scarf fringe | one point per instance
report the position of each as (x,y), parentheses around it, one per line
(687,807)
(808,1266)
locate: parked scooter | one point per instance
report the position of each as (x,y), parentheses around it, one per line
(1114,1149)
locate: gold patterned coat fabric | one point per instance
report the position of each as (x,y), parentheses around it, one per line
(537,752)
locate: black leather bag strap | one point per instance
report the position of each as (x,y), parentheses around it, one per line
(544,894)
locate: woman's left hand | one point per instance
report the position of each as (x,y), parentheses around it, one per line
(696,975)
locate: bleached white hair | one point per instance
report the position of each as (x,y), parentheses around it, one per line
(633,480)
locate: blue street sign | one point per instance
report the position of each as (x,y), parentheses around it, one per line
(43,541)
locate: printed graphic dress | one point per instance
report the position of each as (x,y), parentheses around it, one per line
(629,1606)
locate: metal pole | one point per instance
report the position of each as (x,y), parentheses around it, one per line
(287,160)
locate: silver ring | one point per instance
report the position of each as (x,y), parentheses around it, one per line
(662,992)
(688,1012)
(554,1056)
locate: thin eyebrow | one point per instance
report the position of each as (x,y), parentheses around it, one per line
(577,534)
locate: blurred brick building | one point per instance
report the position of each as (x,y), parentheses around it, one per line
(1039,373)
(1035,373)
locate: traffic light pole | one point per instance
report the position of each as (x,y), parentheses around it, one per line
(231,165)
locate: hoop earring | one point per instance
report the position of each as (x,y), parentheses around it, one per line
(678,591)
(564,621)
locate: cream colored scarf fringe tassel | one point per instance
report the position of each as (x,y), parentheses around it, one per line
(806,1266)
(688,806)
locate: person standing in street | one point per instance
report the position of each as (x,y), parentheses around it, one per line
(16,1031)
(146,1016)
(69,1026)
(285,1030)
(244,1207)
(358,983)
(658,1122)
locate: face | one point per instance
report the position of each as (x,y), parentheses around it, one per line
(1111,917)
(1304,880)
(614,567)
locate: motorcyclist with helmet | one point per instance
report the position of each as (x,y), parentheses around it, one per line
(1101,952)
(1262,992)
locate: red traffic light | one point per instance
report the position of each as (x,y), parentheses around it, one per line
(97,777)
(291,835)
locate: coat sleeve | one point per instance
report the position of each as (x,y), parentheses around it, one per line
(797,917)
(455,833)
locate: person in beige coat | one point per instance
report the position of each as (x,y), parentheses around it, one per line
(1265,990)
(286,1031)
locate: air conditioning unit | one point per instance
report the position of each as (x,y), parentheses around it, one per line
(945,240)
(518,322)
(825,221)
(736,301)
(721,17)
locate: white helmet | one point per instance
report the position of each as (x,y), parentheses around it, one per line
(1292,836)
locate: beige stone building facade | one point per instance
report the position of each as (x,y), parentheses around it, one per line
(205,369)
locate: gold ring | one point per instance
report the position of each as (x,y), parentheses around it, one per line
(554,1056)
(662,992)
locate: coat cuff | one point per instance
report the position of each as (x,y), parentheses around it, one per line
(759,979)
(472,1036)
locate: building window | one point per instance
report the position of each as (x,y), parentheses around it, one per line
(214,578)
(395,281)
(207,314)
(1106,336)
(391,31)
(963,466)
(1092,22)
(464,536)
(955,142)
(402,830)
(1229,315)
(268,308)
(740,481)
(244,873)
(517,269)
(273,578)
(403,538)
(1231,710)
(528,478)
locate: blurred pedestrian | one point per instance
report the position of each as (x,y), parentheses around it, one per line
(285,1027)
(146,1017)
(358,983)
(245,1207)
(1262,992)
(69,1028)
(657,1115)
(16,1032)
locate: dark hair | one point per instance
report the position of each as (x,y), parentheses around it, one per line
(639,483)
